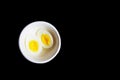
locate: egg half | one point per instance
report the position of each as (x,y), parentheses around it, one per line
(45,38)
(33,45)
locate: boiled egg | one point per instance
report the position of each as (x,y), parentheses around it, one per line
(33,45)
(45,38)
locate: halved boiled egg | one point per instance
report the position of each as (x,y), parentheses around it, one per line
(46,38)
(33,45)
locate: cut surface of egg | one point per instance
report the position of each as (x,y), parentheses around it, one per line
(33,45)
(45,38)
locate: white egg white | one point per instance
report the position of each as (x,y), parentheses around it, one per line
(43,31)
(28,39)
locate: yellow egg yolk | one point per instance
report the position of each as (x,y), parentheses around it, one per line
(33,45)
(45,38)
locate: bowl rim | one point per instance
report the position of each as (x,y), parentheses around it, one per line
(59,42)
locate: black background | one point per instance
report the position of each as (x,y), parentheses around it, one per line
(79,27)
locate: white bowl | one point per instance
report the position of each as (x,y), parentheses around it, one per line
(47,54)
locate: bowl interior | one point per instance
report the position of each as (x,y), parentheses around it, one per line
(47,54)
